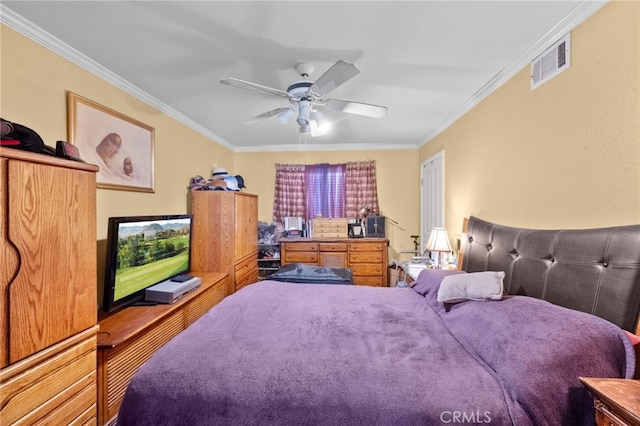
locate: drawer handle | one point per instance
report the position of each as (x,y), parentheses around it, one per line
(600,406)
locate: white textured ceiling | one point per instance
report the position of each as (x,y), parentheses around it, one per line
(427,61)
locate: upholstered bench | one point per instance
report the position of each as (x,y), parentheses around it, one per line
(307,274)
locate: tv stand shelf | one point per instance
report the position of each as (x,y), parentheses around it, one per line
(130,336)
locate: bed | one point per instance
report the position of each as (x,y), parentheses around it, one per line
(280,353)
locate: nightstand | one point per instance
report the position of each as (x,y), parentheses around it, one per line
(617,401)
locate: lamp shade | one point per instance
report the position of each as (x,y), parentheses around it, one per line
(439,240)
(286,116)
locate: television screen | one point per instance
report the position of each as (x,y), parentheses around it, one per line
(143,251)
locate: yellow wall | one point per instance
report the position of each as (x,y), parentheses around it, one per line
(398,185)
(34,83)
(564,155)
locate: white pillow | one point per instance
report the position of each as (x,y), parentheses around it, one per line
(473,286)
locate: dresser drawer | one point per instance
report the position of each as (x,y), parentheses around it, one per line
(247,279)
(367,269)
(301,246)
(246,266)
(56,386)
(301,257)
(371,281)
(333,247)
(366,257)
(79,409)
(368,246)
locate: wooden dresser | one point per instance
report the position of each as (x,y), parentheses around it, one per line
(129,337)
(617,401)
(366,257)
(48,289)
(225,235)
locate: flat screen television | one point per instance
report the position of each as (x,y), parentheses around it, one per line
(143,251)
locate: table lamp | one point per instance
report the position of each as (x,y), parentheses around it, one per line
(439,242)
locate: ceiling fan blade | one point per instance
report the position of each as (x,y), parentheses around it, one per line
(253,86)
(368,110)
(265,115)
(338,74)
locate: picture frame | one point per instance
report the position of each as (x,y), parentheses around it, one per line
(123,148)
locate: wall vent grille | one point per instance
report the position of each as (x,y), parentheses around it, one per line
(551,62)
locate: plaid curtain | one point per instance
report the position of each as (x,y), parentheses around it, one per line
(325,190)
(353,186)
(361,188)
(288,196)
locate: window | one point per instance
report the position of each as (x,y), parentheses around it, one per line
(324,190)
(332,190)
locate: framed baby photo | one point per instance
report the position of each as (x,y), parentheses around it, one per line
(121,146)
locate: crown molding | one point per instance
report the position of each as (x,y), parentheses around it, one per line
(578,15)
(16,22)
(306,147)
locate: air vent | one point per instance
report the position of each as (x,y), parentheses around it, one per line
(552,62)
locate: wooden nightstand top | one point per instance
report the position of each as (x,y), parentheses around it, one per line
(620,395)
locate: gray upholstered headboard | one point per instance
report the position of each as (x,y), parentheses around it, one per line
(590,270)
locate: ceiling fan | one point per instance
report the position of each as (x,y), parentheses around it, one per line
(307,97)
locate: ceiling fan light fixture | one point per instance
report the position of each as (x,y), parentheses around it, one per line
(304,95)
(304,113)
(319,124)
(286,116)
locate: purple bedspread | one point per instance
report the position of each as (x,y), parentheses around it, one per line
(288,354)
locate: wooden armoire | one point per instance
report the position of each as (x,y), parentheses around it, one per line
(48,320)
(225,235)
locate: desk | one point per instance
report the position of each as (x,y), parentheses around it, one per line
(366,257)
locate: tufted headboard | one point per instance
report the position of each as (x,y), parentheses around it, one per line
(590,270)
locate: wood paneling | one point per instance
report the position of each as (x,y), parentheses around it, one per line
(51,280)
